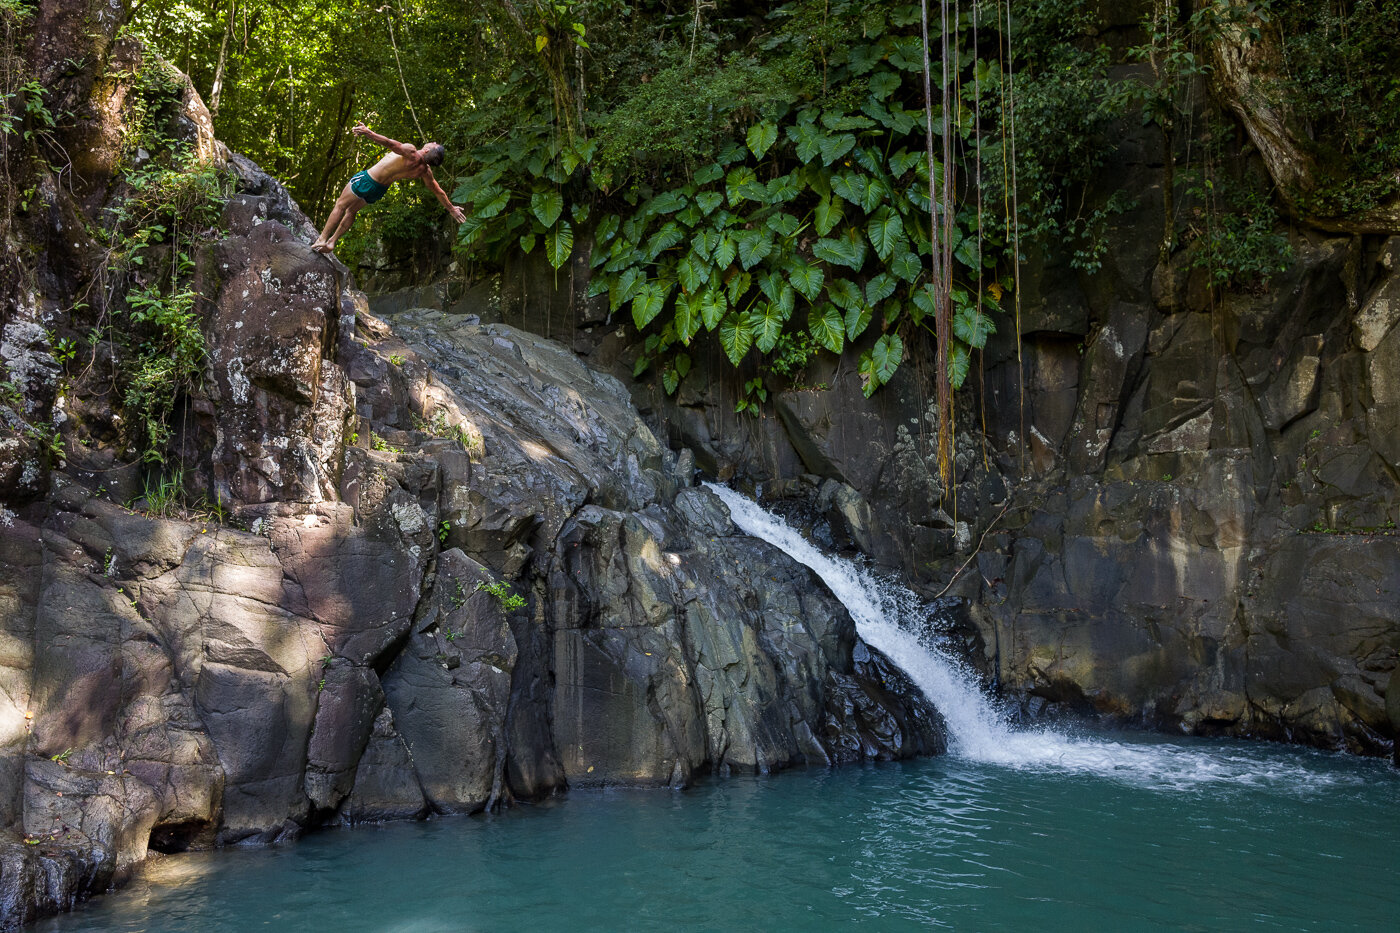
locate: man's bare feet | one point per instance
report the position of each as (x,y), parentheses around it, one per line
(323,247)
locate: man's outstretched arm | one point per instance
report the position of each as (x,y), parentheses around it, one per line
(457,213)
(393,145)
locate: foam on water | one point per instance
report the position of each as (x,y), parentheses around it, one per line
(889,617)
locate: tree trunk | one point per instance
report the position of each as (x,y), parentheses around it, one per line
(217,89)
(1243,66)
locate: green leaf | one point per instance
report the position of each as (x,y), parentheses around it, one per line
(863,58)
(768,327)
(663,239)
(826,327)
(527,243)
(907,266)
(754,246)
(857,320)
(782,189)
(704,243)
(879,288)
(846,250)
(806,278)
(883,84)
(906,52)
(692,273)
(973,327)
(547,206)
(784,225)
(623,288)
(559,244)
(885,231)
(845,293)
(771,284)
(834,147)
(966,252)
(708,201)
(737,182)
(667,202)
(710,173)
(725,252)
(712,308)
(807,137)
(959,362)
(903,160)
(849,187)
(761,138)
(878,365)
(651,298)
(738,286)
(827,214)
(844,122)
(682,364)
(687,318)
(495,201)
(606,229)
(875,192)
(670,380)
(736,336)
(923,302)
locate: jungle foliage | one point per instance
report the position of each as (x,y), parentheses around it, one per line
(758,172)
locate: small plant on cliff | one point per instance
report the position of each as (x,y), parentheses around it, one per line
(509,601)
(170,207)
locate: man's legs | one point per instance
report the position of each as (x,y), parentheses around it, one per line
(347,218)
(348,201)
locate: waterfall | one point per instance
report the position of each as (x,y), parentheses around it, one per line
(888,617)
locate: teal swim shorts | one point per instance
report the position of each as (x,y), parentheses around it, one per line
(367,188)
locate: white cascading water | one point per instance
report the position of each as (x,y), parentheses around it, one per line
(978,730)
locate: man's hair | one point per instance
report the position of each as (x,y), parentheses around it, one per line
(434,153)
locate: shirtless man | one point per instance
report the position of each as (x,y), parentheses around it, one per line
(369,185)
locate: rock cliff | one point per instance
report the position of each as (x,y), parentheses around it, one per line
(1174,504)
(449,565)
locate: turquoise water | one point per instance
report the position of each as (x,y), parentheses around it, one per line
(1260,837)
(1016,829)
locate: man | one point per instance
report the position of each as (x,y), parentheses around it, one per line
(369,185)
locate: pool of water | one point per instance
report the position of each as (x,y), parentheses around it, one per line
(1211,836)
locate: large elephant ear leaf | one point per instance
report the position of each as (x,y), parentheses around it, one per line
(547,206)
(559,244)
(878,364)
(736,336)
(827,327)
(761,138)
